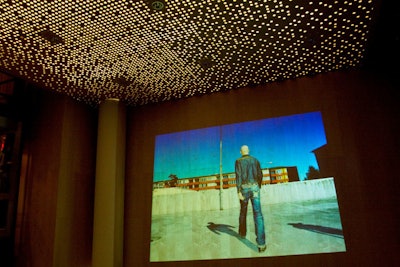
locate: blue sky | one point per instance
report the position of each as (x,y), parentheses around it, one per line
(275,142)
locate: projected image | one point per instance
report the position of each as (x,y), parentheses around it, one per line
(253,189)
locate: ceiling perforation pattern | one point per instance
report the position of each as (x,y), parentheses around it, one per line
(93,50)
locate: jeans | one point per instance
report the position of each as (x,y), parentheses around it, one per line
(252,193)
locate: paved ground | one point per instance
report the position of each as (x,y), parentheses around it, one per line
(291,228)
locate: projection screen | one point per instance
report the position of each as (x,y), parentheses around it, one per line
(195,208)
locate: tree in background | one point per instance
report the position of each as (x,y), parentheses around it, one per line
(173,180)
(313,173)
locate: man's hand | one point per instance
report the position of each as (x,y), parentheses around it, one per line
(241,197)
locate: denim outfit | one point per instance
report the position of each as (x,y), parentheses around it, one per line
(248,182)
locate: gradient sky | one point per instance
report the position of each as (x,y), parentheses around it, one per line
(277,142)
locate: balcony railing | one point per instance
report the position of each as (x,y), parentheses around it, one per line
(229,182)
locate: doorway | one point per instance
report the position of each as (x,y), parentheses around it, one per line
(10,137)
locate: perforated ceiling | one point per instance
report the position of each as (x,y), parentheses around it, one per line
(144,52)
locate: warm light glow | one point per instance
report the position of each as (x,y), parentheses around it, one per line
(160,50)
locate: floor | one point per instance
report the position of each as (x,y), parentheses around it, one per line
(295,228)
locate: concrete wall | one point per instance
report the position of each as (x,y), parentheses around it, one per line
(174,200)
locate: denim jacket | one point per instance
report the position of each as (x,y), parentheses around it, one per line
(248,171)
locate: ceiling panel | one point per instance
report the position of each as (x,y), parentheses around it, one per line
(145,52)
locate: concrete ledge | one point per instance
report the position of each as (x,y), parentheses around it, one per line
(177,200)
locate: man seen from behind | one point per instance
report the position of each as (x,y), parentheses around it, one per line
(248,182)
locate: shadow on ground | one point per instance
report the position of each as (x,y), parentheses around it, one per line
(228,229)
(319,229)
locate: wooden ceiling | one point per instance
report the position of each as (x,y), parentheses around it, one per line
(145,52)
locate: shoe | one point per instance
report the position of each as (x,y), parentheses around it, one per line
(262,248)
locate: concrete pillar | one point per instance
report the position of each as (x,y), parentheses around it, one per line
(109,187)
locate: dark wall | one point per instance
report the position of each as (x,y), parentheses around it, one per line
(360,118)
(57,182)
